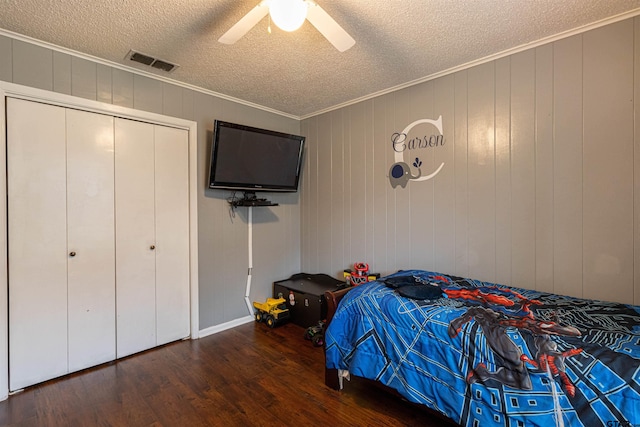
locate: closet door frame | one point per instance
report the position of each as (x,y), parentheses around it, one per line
(11,90)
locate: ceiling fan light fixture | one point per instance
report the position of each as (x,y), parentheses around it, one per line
(288,15)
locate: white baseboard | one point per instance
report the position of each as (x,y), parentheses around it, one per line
(224,326)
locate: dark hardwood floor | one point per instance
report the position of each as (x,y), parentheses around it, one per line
(247,376)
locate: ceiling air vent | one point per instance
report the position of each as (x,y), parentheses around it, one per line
(163,65)
(151,61)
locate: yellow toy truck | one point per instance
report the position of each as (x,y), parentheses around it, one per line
(273,311)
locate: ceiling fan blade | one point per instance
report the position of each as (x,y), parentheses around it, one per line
(329,28)
(245,24)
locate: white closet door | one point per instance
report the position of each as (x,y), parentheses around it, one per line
(135,237)
(37,228)
(172,233)
(91,246)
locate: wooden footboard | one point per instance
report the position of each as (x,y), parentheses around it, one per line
(332,299)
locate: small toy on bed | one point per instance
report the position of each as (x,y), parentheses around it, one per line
(360,274)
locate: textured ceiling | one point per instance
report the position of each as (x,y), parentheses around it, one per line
(301,73)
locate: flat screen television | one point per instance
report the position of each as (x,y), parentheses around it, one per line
(251,159)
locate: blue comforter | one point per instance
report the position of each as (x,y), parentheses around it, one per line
(490,354)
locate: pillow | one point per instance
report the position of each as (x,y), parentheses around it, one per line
(420,292)
(399,281)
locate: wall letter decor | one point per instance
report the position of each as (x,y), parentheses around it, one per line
(400,172)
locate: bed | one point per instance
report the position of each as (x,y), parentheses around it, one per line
(487,354)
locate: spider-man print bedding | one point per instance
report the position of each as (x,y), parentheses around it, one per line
(489,354)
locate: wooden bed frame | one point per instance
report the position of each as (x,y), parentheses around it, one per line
(332,299)
(331,379)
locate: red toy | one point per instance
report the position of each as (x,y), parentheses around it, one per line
(360,274)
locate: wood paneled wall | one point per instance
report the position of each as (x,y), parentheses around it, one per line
(538,185)
(223,239)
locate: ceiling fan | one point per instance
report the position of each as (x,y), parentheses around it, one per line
(289,15)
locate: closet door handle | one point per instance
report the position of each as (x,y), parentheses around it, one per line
(152,247)
(72,254)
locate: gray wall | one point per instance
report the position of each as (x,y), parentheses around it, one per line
(223,241)
(538,185)
(537,188)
